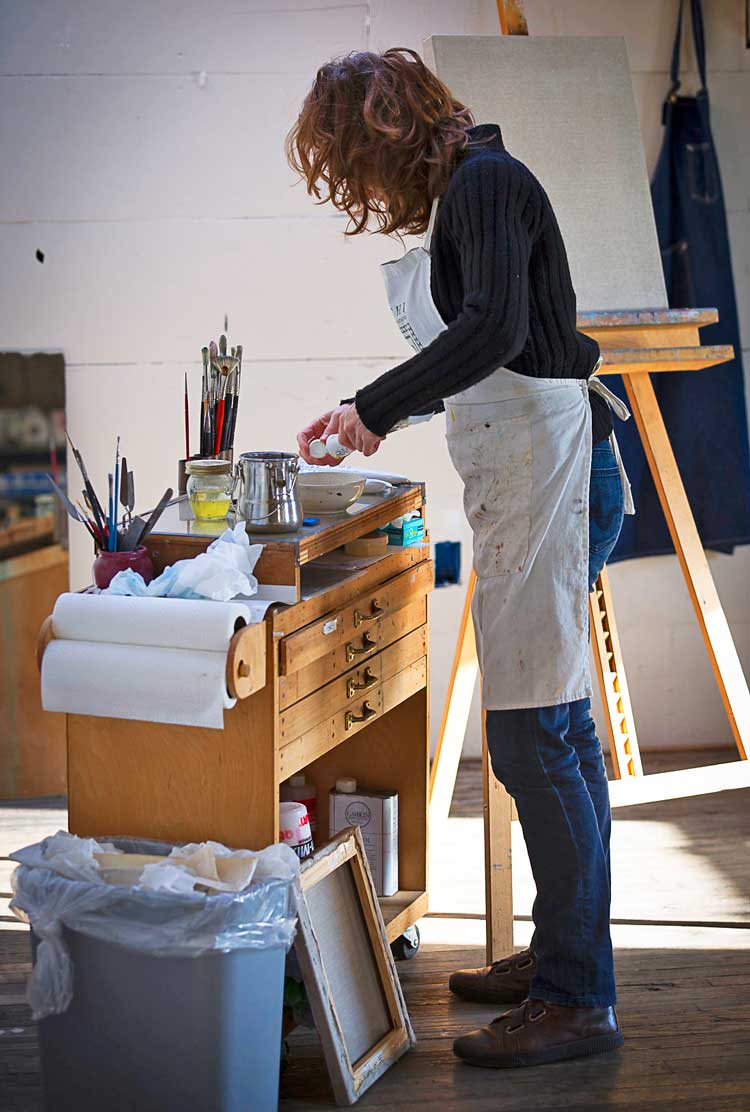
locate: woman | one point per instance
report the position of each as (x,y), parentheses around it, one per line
(488,305)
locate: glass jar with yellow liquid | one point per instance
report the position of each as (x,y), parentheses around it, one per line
(209,488)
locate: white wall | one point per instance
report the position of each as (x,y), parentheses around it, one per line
(143,155)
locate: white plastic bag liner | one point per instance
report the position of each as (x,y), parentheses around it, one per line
(158,923)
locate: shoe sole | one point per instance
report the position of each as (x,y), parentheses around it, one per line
(582,1048)
(480,997)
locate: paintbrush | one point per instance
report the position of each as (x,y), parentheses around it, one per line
(91,498)
(67,504)
(229,401)
(204,401)
(228,407)
(236,400)
(89,525)
(113,538)
(110,514)
(221,404)
(187,420)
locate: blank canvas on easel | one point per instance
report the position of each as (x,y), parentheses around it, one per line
(582,140)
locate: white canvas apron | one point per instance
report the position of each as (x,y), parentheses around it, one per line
(522,447)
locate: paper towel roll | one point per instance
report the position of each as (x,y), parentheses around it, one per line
(182,686)
(165,622)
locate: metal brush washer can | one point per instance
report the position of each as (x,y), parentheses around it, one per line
(266,492)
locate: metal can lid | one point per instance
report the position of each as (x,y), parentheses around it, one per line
(208,467)
(347,784)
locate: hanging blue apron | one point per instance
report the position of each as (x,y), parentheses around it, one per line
(704,411)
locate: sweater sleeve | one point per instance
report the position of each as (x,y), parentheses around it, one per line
(488,215)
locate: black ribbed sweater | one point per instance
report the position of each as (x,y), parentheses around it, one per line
(501,282)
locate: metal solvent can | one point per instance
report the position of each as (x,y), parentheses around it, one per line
(376,814)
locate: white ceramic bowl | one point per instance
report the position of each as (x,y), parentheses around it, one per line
(329,491)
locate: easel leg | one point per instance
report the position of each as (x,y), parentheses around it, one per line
(623,743)
(458,701)
(711,618)
(498,873)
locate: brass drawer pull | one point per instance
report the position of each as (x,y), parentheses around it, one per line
(367,713)
(375,612)
(367,644)
(352,686)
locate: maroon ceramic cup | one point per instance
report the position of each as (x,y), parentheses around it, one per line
(107,565)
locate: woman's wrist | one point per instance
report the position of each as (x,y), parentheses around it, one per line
(369,416)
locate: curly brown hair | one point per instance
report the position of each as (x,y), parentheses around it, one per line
(380,135)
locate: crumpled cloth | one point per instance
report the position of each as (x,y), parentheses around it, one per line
(221,573)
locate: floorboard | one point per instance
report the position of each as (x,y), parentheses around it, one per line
(681,911)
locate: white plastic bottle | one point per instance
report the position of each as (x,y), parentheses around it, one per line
(331,446)
(297,790)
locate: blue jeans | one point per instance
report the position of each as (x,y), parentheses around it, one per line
(550,760)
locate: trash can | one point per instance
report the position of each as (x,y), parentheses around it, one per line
(157,1001)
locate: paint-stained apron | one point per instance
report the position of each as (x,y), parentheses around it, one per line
(522,447)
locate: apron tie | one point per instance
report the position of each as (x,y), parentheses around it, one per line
(618,407)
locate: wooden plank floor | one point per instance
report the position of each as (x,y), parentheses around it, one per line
(682,936)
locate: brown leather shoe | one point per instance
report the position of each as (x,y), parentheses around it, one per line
(504,982)
(537,1033)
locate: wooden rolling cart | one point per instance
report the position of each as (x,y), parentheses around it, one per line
(336,683)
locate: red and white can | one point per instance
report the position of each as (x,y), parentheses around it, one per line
(294,828)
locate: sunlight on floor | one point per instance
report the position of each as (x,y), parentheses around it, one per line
(657,876)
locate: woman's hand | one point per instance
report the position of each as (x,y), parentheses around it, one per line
(343,420)
(318,430)
(354,434)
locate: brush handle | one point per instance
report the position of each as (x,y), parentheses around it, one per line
(227,429)
(187,420)
(207,431)
(219,425)
(230,434)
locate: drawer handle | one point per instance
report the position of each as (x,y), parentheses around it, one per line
(352,686)
(367,713)
(367,644)
(375,612)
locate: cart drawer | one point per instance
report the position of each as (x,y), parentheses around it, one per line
(380,635)
(353,687)
(350,718)
(357,623)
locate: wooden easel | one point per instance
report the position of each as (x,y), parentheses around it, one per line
(634,344)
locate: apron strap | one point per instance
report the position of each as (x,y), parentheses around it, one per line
(627,492)
(618,407)
(699,40)
(431,224)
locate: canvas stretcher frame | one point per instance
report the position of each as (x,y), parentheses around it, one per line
(328,989)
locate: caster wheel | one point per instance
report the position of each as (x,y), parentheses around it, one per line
(406,945)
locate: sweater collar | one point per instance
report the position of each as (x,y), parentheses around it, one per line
(485,136)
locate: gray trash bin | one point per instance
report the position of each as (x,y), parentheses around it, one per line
(188,1024)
